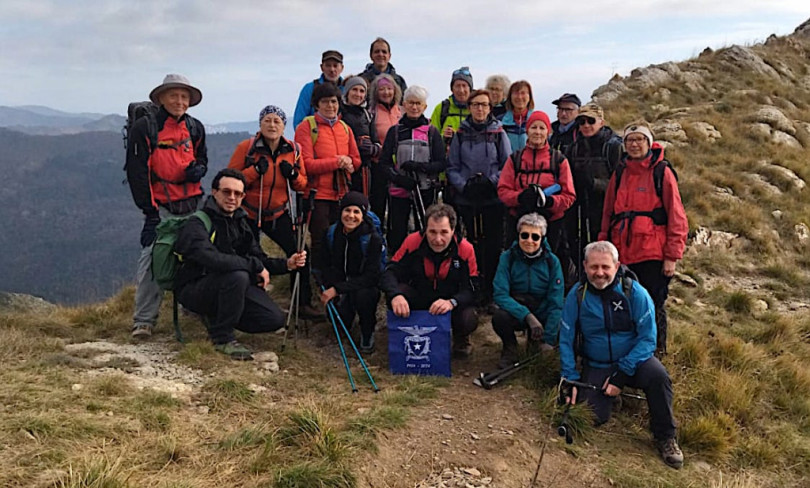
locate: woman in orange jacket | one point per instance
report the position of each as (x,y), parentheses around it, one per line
(274,171)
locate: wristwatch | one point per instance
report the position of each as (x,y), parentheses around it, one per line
(453,302)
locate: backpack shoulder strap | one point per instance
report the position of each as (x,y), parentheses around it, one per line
(152,130)
(618,175)
(517,160)
(344,124)
(556,159)
(313,128)
(444,113)
(206,220)
(330,235)
(658,176)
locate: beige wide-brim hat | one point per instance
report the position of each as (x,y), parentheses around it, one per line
(176,81)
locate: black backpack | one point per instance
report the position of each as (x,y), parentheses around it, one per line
(658,175)
(556,156)
(149,110)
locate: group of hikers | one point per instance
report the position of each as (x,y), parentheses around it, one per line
(486,207)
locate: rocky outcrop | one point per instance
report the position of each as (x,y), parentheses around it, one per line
(775,118)
(713,239)
(19,302)
(794,182)
(670,131)
(745,59)
(706,131)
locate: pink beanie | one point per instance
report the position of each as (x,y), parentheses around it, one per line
(541,116)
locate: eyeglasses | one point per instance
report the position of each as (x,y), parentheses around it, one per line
(413,103)
(586,120)
(479,105)
(232,193)
(635,140)
(526,235)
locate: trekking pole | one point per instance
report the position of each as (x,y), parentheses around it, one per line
(331,305)
(589,386)
(488,380)
(419,203)
(296,291)
(330,312)
(261,203)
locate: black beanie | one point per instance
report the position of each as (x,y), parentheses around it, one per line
(354,198)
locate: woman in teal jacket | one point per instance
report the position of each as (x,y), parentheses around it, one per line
(528,289)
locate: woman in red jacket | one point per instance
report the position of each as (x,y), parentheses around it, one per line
(644,217)
(273,171)
(528,182)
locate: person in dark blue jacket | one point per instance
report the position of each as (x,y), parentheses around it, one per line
(614,318)
(528,288)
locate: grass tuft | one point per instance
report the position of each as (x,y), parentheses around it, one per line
(712,435)
(315,475)
(95,473)
(739,302)
(313,431)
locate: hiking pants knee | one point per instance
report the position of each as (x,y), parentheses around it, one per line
(281,232)
(399,212)
(148,294)
(650,275)
(363,302)
(485,231)
(652,378)
(463,320)
(231,301)
(505,325)
(324,214)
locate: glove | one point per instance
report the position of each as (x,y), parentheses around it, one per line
(195,172)
(367,148)
(149,231)
(261,165)
(409,166)
(618,379)
(288,171)
(376,150)
(535,327)
(478,188)
(527,198)
(403,181)
(549,201)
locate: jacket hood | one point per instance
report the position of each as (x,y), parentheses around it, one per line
(413,123)
(259,145)
(390,70)
(492,124)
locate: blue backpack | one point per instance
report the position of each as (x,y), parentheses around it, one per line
(364,239)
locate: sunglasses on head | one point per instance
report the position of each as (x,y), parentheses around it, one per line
(586,120)
(526,235)
(463,71)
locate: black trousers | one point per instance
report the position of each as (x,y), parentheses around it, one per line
(231,300)
(324,214)
(505,325)
(652,378)
(399,211)
(650,275)
(582,224)
(363,303)
(378,199)
(463,320)
(484,227)
(281,232)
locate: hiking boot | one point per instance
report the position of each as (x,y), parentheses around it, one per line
(462,347)
(670,452)
(142,330)
(307,311)
(509,356)
(367,345)
(235,351)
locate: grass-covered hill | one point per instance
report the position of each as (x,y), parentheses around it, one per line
(82,406)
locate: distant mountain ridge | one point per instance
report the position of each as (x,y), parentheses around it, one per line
(41,120)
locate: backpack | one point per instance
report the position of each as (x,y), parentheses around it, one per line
(313,128)
(557,158)
(658,214)
(149,110)
(445,112)
(364,239)
(627,277)
(166,262)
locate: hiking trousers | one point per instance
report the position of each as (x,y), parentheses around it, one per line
(231,300)
(324,214)
(362,302)
(484,228)
(399,211)
(378,199)
(650,275)
(652,378)
(148,294)
(281,232)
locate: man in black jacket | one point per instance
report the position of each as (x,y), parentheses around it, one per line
(225,272)
(166,159)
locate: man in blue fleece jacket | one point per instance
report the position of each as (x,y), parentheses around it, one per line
(615,320)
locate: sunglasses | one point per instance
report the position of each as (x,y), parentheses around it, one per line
(586,120)
(232,193)
(526,235)
(462,71)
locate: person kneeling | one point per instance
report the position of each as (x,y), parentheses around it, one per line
(613,318)
(435,271)
(528,288)
(349,263)
(224,272)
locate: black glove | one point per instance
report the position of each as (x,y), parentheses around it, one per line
(149,231)
(549,201)
(528,198)
(409,166)
(262,165)
(195,172)
(535,327)
(403,181)
(288,170)
(618,379)
(479,187)
(367,148)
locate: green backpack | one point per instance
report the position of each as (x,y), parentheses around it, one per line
(166,262)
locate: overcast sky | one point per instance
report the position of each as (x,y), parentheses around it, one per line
(96,56)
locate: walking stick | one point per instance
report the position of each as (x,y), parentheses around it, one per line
(306,208)
(261,203)
(418,203)
(331,312)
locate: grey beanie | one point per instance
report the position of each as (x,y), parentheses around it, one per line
(462,73)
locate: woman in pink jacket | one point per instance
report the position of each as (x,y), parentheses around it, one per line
(385,99)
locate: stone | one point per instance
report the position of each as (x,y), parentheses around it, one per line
(714,238)
(775,118)
(796,182)
(76,387)
(20,302)
(475,436)
(670,130)
(610,91)
(746,60)
(447,416)
(273,367)
(785,139)
(266,357)
(802,233)
(686,280)
(203,410)
(761,182)
(650,76)
(707,131)
(760,306)
(777,214)
(471,472)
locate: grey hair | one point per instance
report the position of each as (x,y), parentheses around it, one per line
(416,92)
(602,246)
(533,219)
(372,90)
(502,80)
